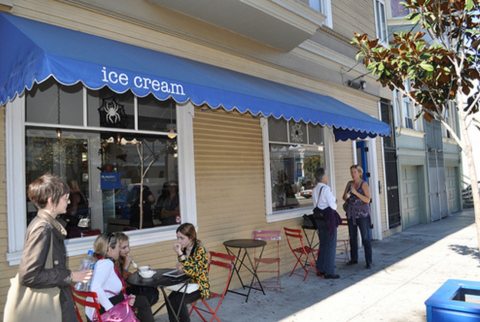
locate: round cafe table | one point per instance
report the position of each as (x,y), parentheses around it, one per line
(240,249)
(160,281)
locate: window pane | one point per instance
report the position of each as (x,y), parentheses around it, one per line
(315,134)
(292,170)
(109,109)
(51,103)
(104,173)
(398,10)
(66,157)
(298,132)
(160,189)
(155,115)
(277,130)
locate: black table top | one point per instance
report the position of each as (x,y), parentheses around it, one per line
(157,280)
(244,243)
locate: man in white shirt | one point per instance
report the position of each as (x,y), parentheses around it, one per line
(324,199)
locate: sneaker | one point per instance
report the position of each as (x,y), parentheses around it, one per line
(331,276)
(351,263)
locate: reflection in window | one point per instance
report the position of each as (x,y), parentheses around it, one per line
(120,178)
(293,164)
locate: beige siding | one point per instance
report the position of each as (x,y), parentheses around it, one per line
(353,16)
(230,180)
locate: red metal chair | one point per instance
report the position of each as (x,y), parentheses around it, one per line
(304,255)
(220,261)
(86,299)
(274,236)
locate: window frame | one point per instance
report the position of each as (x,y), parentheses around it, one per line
(325,8)
(16,186)
(402,103)
(381,31)
(281,215)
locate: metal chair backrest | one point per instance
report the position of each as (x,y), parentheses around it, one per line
(224,261)
(302,253)
(293,232)
(86,299)
(265,263)
(267,235)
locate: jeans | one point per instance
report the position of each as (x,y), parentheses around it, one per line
(175,300)
(328,248)
(364,225)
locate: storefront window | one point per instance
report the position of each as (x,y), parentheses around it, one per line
(105,161)
(296,151)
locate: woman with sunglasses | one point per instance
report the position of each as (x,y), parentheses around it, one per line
(145,296)
(107,281)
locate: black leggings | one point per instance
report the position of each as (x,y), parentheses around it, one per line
(175,300)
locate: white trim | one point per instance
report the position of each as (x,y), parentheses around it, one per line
(328,139)
(186,163)
(354,151)
(15,158)
(379,29)
(325,8)
(373,169)
(410,132)
(266,167)
(288,214)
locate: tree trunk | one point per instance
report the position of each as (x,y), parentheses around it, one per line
(467,150)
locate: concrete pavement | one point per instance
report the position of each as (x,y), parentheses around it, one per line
(408,268)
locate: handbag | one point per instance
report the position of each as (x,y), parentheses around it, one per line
(317,212)
(120,312)
(33,304)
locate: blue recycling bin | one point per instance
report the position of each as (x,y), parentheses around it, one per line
(455,301)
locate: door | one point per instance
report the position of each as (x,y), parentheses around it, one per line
(452,189)
(410,197)
(437,191)
(362,159)
(391,174)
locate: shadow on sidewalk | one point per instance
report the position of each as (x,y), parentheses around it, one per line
(298,295)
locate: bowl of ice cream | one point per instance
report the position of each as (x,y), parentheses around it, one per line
(147,273)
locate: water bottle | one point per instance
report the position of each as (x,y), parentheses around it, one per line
(87,263)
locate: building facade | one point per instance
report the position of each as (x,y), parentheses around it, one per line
(428,159)
(216,115)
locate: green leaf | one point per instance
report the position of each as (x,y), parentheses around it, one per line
(426,66)
(469,5)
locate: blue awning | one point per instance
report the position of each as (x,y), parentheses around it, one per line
(34,51)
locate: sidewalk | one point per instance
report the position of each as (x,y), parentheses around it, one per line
(408,268)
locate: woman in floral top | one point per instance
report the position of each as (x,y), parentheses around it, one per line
(193,260)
